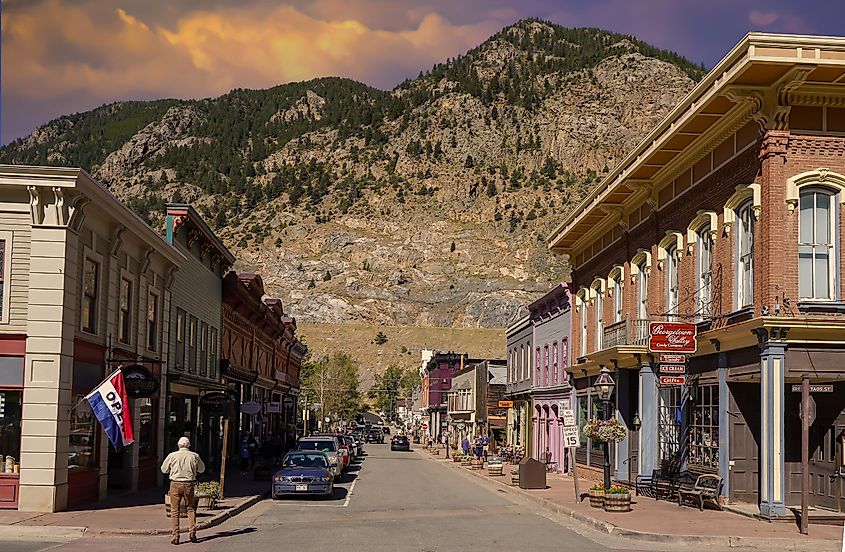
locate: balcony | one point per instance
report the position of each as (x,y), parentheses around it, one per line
(627,332)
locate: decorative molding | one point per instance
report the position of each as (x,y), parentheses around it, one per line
(178,222)
(77,215)
(616,213)
(36,209)
(205,248)
(639,257)
(148,257)
(775,143)
(61,214)
(116,240)
(821,176)
(672,237)
(171,274)
(743,193)
(702,218)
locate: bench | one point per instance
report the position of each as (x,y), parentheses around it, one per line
(707,486)
(662,482)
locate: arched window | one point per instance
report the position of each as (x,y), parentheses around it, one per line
(545,365)
(745,255)
(537,368)
(704,271)
(581,302)
(598,294)
(554,362)
(672,290)
(564,358)
(817,220)
(615,282)
(640,269)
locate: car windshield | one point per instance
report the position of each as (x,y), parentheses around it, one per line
(327,445)
(305,461)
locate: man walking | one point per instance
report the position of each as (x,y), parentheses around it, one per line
(183,467)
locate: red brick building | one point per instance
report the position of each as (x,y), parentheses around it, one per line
(727,215)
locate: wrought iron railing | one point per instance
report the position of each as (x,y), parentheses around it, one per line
(631,331)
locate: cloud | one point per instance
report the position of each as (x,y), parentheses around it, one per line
(55,52)
(762,19)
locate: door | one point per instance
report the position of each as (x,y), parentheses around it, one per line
(633,454)
(826,450)
(744,430)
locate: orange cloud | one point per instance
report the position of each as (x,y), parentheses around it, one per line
(763,19)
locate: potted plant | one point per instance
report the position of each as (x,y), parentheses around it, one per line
(607,431)
(494,466)
(617,499)
(515,478)
(207,494)
(597,496)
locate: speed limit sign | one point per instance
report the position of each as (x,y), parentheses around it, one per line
(571,437)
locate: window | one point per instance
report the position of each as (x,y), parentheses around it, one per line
(704,427)
(599,323)
(816,239)
(564,355)
(82,449)
(704,269)
(546,365)
(745,256)
(669,419)
(11,407)
(212,370)
(152,321)
(642,291)
(554,362)
(617,298)
(192,345)
(90,294)
(147,428)
(180,338)
(537,366)
(583,339)
(672,283)
(203,357)
(124,315)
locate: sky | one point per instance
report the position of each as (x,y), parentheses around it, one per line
(66,56)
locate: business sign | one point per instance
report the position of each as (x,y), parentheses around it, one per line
(672,380)
(215,403)
(139,382)
(274,408)
(825,388)
(671,337)
(250,407)
(673,369)
(569,418)
(571,437)
(672,359)
(505,404)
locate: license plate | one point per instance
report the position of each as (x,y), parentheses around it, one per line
(301,487)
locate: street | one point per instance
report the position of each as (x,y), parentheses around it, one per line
(397,501)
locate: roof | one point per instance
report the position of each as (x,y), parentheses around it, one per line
(734,91)
(185,210)
(557,297)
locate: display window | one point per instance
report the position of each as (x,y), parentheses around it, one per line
(82,450)
(11,406)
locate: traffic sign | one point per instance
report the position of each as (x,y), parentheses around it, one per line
(571,437)
(569,418)
(819,388)
(672,380)
(673,369)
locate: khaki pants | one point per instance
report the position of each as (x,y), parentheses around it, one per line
(180,491)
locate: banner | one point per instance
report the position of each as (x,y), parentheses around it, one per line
(111,406)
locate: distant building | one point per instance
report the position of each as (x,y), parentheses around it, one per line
(520,347)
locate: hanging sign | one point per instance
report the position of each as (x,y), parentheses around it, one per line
(250,407)
(672,380)
(673,369)
(274,408)
(139,382)
(505,404)
(671,337)
(672,359)
(215,402)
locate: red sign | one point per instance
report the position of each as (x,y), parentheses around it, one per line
(673,380)
(673,369)
(671,337)
(672,359)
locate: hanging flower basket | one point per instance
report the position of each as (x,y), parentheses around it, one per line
(607,431)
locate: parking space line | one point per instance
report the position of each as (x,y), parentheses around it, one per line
(349,493)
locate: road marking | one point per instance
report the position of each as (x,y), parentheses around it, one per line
(349,493)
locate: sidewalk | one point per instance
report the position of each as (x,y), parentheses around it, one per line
(663,521)
(139,513)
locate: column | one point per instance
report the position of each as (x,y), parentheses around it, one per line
(648,417)
(772,469)
(48,370)
(623,407)
(724,424)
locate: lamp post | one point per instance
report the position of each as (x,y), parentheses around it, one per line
(604,387)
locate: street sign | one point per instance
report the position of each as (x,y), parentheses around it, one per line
(671,337)
(569,418)
(672,359)
(811,411)
(505,404)
(819,388)
(673,369)
(672,380)
(571,437)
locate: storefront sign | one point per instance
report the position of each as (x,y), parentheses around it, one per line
(215,402)
(571,438)
(250,407)
(673,369)
(569,418)
(460,425)
(673,380)
(274,408)
(139,381)
(672,359)
(505,404)
(825,388)
(671,337)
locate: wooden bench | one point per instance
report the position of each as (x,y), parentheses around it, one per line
(707,486)
(661,483)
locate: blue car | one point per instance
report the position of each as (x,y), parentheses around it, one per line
(303,473)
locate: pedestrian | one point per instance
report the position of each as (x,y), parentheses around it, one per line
(243,453)
(182,466)
(479,448)
(465,445)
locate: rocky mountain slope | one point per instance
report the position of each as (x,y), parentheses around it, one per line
(426,205)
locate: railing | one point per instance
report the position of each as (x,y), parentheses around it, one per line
(627,332)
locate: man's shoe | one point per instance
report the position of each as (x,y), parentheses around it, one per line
(193,538)
(174,541)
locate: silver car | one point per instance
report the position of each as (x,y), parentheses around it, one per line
(327,444)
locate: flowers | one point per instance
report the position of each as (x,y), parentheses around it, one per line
(609,431)
(618,490)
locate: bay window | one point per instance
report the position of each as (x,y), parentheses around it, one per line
(816,245)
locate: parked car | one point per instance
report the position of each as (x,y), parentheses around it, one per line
(400,442)
(359,444)
(343,447)
(386,430)
(327,444)
(374,436)
(303,473)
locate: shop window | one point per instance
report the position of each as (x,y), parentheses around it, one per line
(82,450)
(146,428)
(124,315)
(152,322)
(669,419)
(816,245)
(90,295)
(745,256)
(11,406)
(704,427)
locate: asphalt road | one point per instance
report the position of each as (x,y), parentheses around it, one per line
(389,501)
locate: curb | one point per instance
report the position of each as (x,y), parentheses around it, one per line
(41,532)
(726,541)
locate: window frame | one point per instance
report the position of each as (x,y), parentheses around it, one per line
(673,285)
(192,343)
(642,289)
(744,262)
(154,326)
(94,308)
(832,251)
(704,275)
(181,334)
(6,238)
(583,323)
(124,314)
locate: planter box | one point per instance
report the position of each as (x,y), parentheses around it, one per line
(205,502)
(494,469)
(477,464)
(617,502)
(597,498)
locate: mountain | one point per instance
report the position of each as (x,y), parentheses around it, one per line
(424,205)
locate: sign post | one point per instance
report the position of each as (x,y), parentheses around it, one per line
(805,452)
(223,456)
(572,440)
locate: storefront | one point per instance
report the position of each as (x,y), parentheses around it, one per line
(11,411)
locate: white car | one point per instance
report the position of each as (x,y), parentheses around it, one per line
(327,444)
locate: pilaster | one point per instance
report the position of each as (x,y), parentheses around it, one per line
(772,469)
(724,424)
(622,454)
(648,416)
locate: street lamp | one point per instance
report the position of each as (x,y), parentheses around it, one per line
(604,387)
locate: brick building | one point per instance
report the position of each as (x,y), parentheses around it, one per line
(726,215)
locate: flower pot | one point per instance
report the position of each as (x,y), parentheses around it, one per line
(205,502)
(597,497)
(477,464)
(466,462)
(617,502)
(494,469)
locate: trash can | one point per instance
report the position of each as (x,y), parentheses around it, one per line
(532,474)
